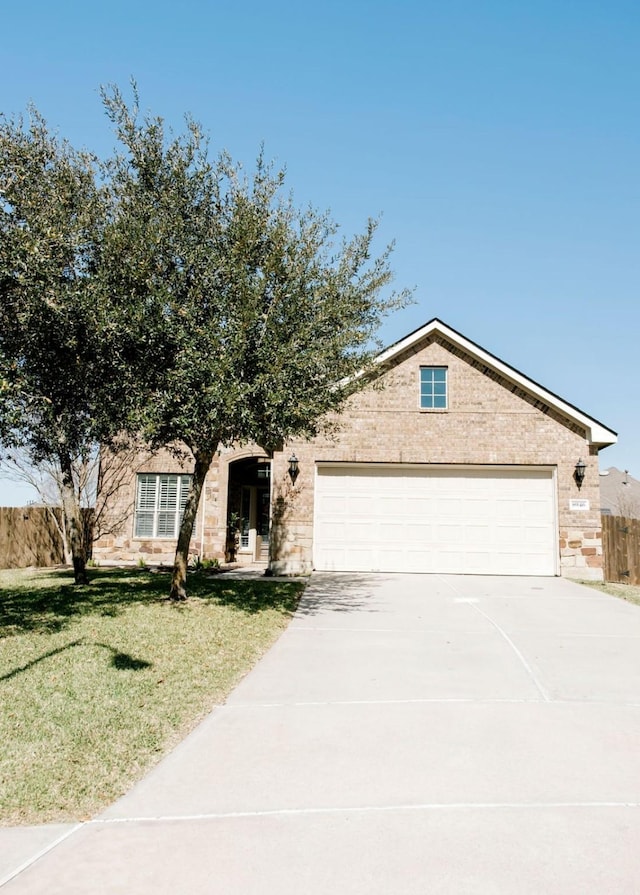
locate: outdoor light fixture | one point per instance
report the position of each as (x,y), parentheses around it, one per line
(579,473)
(293,468)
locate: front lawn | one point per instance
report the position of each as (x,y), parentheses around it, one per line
(98,682)
(628,592)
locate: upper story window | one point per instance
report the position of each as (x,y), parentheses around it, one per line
(160,503)
(433,388)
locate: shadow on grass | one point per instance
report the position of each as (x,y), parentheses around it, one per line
(48,601)
(120,661)
(125,662)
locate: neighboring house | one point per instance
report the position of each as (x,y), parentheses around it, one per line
(451,462)
(619,493)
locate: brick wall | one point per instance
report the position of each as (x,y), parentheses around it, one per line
(489,421)
(120,545)
(209,537)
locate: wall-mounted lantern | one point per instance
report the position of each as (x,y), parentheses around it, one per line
(579,472)
(293,468)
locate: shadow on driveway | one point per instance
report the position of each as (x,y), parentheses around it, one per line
(339,592)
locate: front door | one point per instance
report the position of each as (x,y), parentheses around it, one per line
(249,481)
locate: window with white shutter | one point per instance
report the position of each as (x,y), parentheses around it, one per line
(160,502)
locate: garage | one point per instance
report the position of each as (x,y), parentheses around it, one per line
(423,518)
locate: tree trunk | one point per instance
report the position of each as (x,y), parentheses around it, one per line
(179,578)
(61,528)
(73,521)
(68,558)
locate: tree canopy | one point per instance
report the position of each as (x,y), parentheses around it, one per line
(68,358)
(50,216)
(248,318)
(53,379)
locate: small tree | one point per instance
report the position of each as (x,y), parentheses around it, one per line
(46,481)
(98,481)
(259,319)
(64,353)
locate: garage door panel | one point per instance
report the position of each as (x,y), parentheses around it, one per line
(535,540)
(421,533)
(512,510)
(424,519)
(452,508)
(535,514)
(392,505)
(510,540)
(392,534)
(419,505)
(509,562)
(389,559)
(332,504)
(447,532)
(477,561)
(361,504)
(361,556)
(419,554)
(416,562)
(480,535)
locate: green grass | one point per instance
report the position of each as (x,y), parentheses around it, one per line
(628,592)
(98,682)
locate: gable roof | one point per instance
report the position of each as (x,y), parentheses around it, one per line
(597,433)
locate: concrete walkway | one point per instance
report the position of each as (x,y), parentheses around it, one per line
(407,734)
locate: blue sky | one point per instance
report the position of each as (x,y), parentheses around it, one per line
(499,141)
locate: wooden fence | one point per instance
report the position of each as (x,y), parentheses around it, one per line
(28,537)
(621,547)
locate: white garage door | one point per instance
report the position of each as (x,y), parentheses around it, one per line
(430,519)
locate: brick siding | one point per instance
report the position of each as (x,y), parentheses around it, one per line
(489,421)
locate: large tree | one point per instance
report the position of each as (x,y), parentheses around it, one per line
(259,315)
(64,355)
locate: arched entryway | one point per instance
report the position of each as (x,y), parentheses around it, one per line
(249,509)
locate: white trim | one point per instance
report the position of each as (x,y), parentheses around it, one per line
(556,515)
(433,408)
(597,433)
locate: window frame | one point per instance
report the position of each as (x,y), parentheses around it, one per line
(160,498)
(428,390)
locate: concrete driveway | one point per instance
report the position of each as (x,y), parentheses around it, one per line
(407,734)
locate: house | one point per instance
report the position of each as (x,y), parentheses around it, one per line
(619,493)
(451,461)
